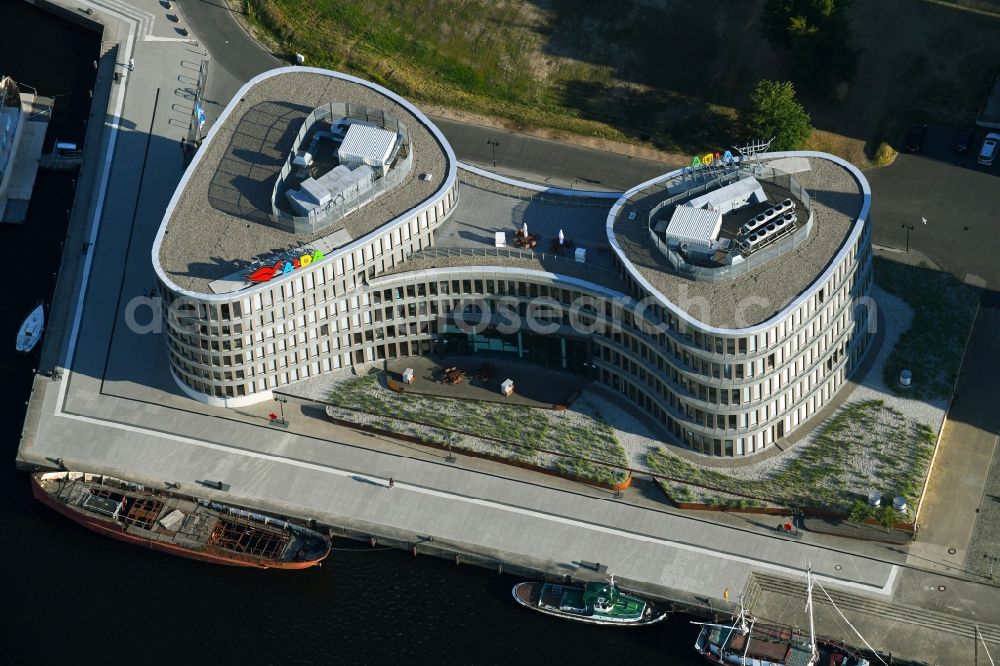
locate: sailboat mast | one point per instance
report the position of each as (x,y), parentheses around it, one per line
(809,607)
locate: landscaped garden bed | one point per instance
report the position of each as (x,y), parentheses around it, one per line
(575,443)
(866,447)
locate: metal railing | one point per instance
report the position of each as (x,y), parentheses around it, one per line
(326,215)
(752,261)
(513,253)
(524,194)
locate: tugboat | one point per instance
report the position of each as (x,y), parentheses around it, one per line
(747,643)
(593,603)
(31,330)
(177,524)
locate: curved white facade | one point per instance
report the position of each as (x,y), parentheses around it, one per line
(720,391)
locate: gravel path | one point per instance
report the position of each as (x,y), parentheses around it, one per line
(634,437)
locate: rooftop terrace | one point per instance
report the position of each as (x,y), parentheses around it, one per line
(837,201)
(221,217)
(468,237)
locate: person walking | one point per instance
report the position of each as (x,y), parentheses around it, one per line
(391,482)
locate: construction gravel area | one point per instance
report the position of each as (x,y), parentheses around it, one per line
(222,220)
(762,292)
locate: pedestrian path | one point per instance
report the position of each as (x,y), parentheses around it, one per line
(99,416)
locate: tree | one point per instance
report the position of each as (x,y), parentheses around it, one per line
(817,36)
(775,113)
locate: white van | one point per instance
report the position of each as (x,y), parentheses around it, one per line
(989,150)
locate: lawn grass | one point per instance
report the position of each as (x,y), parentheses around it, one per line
(524,433)
(669,75)
(551,67)
(867,446)
(944,310)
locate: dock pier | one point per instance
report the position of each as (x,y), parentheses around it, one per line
(104,401)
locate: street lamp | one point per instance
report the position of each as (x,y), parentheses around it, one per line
(909,228)
(281,406)
(993,559)
(493,143)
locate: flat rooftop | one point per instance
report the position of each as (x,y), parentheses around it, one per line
(837,200)
(222,219)
(467,237)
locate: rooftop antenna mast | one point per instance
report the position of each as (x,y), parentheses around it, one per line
(753,150)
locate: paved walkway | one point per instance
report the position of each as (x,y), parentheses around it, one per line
(976,422)
(115,410)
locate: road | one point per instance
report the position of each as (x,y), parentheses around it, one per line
(237,58)
(956,196)
(116,407)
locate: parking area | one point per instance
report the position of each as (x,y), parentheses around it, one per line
(958,198)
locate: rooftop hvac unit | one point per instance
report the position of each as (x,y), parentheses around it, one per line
(762,218)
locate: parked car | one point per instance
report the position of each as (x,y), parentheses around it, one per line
(963,140)
(915,138)
(989,150)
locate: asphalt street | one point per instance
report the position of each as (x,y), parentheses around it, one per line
(238,58)
(958,199)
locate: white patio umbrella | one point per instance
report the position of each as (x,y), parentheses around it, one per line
(524,229)
(561,237)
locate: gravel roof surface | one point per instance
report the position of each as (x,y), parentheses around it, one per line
(222,220)
(837,200)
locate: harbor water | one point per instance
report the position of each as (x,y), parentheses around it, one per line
(74,596)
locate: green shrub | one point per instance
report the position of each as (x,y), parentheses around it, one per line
(860,511)
(884,155)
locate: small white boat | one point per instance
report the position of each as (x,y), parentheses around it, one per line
(31,330)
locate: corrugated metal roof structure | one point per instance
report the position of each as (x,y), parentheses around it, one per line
(695,226)
(365,144)
(732,196)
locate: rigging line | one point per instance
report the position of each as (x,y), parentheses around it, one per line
(983,641)
(867,644)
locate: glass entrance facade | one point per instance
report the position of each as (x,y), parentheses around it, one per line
(551,351)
